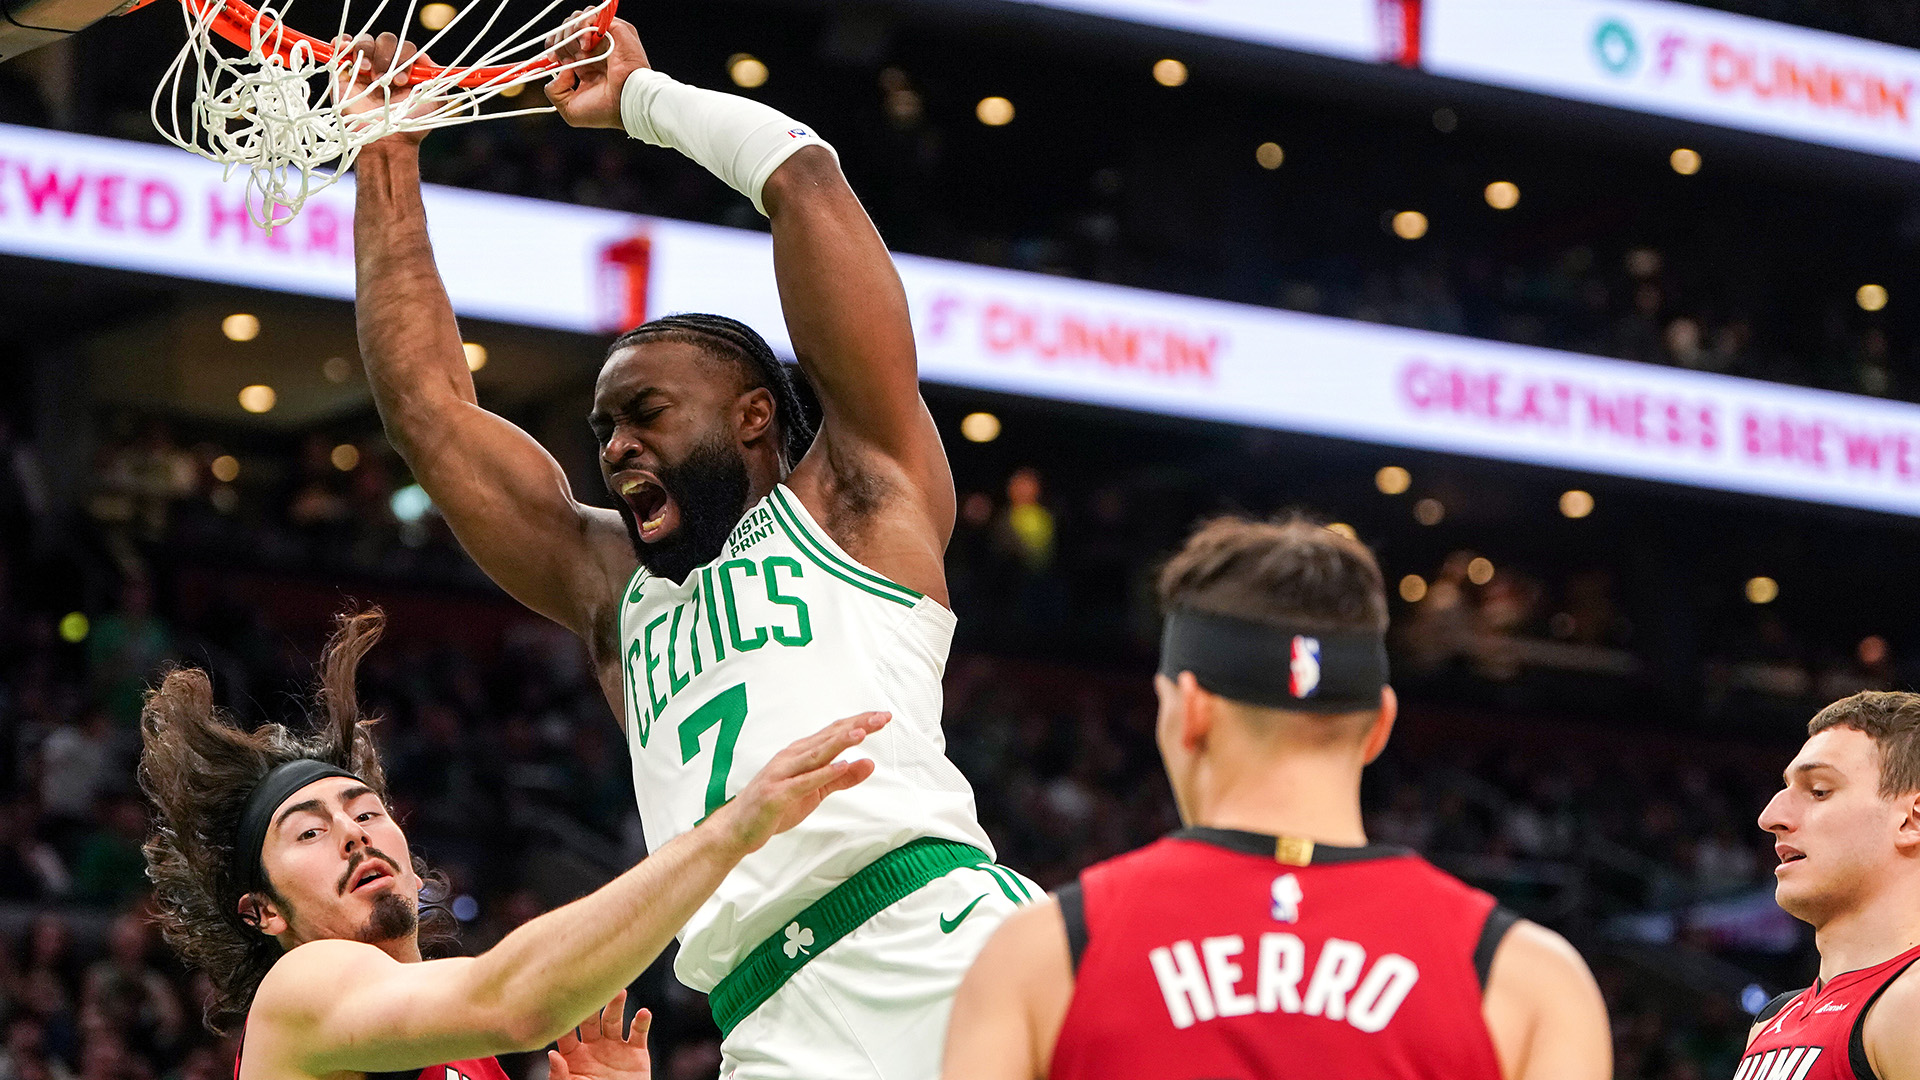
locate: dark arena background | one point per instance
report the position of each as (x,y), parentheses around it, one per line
(1599,322)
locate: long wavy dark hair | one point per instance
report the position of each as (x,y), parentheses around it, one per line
(198,765)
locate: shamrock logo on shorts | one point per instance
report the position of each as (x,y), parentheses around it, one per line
(799,940)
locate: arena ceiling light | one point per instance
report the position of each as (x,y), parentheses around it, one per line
(1762,590)
(1871,297)
(1480,570)
(1413,588)
(436,16)
(476,355)
(1503,194)
(1170,72)
(994,111)
(240,326)
(1429,511)
(980,427)
(1684,161)
(225,468)
(1576,503)
(345,457)
(1270,155)
(747,71)
(1392,480)
(258,398)
(1410,224)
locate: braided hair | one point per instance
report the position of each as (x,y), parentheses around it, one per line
(731,339)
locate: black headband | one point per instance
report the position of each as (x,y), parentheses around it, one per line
(273,789)
(1276,666)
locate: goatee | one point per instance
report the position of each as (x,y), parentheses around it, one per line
(394,916)
(709,487)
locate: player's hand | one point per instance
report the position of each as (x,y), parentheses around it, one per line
(589,95)
(362,85)
(793,784)
(597,1051)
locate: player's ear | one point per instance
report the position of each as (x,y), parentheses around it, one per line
(1198,707)
(755,414)
(1907,837)
(259,912)
(1382,729)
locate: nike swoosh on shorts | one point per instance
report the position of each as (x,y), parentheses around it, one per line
(948,926)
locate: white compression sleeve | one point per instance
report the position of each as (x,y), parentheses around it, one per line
(738,140)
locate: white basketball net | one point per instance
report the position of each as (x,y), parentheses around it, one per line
(283,120)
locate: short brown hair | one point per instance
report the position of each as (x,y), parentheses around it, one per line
(198,766)
(1892,719)
(1291,571)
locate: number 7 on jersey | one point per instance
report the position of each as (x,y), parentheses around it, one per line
(728,709)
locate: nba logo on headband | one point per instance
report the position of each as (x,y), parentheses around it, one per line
(1304,666)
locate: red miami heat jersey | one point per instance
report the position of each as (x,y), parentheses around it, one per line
(1816,1034)
(1222,955)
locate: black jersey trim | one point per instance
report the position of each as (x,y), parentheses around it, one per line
(1774,1004)
(1073,912)
(1857,1040)
(1262,844)
(1492,933)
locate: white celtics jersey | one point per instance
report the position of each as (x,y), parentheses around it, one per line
(779,636)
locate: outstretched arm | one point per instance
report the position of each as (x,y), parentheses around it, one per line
(505,497)
(338,1005)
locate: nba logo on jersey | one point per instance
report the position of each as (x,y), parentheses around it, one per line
(1286,898)
(1304,666)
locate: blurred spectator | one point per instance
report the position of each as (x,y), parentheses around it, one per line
(74,764)
(132,997)
(109,867)
(124,649)
(30,867)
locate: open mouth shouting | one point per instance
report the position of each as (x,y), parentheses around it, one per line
(654,511)
(368,876)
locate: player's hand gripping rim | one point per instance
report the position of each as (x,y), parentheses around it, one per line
(379,78)
(794,783)
(597,1051)
(589,95)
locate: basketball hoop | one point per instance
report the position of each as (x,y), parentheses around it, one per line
(280,109)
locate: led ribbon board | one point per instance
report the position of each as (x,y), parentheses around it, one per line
(139,207)
(1686,62)
(1649,56)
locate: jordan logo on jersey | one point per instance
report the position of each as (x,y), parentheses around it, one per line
(1786,1063)
(1286,898)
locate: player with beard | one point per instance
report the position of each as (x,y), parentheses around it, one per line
(752,573)
(279,874)
(1846,827)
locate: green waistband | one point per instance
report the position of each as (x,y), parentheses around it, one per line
(881,884)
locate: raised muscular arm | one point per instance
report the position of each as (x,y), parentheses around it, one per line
(505,497)
(847,314)
(331,1006)
(877,476)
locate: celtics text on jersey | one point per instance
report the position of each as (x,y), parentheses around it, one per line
(778,636)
